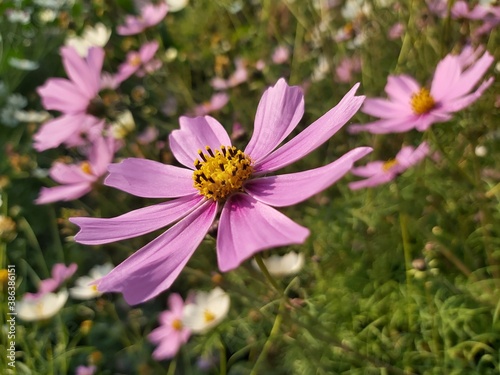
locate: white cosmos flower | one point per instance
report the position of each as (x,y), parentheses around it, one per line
(283,265)
(41,308)
(84,289)
(176,5)
(123,125)
(206,310)
(96,36)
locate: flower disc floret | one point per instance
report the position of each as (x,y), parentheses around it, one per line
(422,102)
(222,172)
(389,164)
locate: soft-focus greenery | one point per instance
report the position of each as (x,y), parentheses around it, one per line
(401,278)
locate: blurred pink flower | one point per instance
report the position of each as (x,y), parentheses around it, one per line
(139,62)
(150,15)
(217,101)
(281,55)
(77,179)
(411,106)
(74,98)
(238,77)
(85,370)
(346,67)
(490,21)
(380,172)
(171,334)
(396,31)
(219,178)
(461,10)
(60,273)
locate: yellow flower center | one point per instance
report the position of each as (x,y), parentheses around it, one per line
(177,324)
(389,164)
(208,316)
(135,60)
(86,168)
(422,102)
(94,288)
(221,173)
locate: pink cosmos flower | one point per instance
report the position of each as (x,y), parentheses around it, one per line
(171,334)
(380,172)
(77,179)
(461,10)
(150,15)
(237,78)
(219,177)
(281,54)
(85,370)
(490,21)
(73,97)
(139,62)
(60,273)
(396,31)
(346,67)
(217,101)
(411,106)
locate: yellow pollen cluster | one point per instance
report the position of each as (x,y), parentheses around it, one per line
(389,164)
(135,60)
(86,168)
(208,316)
(177,324)
(422,102)
(221,173)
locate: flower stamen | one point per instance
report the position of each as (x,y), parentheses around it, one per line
(221,172)
(389,164)
(422,102)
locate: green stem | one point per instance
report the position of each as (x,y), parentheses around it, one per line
(272,335)
(222,359)
(267,275)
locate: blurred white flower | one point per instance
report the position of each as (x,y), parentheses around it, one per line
(205,310)
(176,5)
(96,36)
(31,116)
(283,265)
(47,15)
(84,289)
(123,125)
(481,151)
(41,308)
(23,64)
(17,16)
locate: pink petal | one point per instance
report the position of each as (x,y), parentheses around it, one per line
(60,272)
(150,179)
(248,226)
(408,156)
(288,189)
(384,126)
(69,174)
(375,180)
(153,268)
(101,155)
(314,135)
(194,134)
(386,109)
(148,50)
(280,110)
(63,193)
(445,78)
(96,231)
(400,88)
(62,95)
(460,103)
(59,130)
(369,169)
(86,79)
(470,77)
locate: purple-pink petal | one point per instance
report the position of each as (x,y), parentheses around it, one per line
(60,94)
(86,77)
(384,126)
(372,181)
(96,231)
(248,226)
(150,179)
(400,88)
(446,76)
(289,189)
(194,134)
(63,193)
(460,103)
(386,109)
(314,135)
(280,110)
(154,267)
(69,174)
